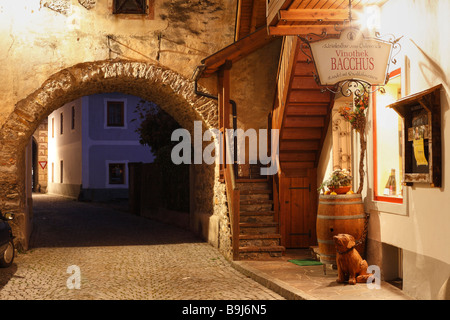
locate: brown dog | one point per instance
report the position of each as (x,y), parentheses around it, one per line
(350,265)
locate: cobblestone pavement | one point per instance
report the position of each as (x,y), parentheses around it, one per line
(120,256)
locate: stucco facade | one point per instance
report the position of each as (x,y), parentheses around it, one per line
(412,236)
(80,155)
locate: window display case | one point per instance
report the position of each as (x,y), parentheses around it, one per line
(421,134)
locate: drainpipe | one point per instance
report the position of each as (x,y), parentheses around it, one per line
(197,73)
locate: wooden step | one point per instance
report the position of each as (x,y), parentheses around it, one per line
(260,253)
(304,121)
(255,191)
(309,96)
(298,165)
(260,236)
(304,82)
(306,109)
(292,156)
(304,69)
(243,180)
(297,145)
(259,240)
(256,218)
(262,249)
(301,133)
(258,213)
(256,202)
(258,225)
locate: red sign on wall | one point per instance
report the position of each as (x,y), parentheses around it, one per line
(43,164)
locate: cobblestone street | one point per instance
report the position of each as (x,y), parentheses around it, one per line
(120,256)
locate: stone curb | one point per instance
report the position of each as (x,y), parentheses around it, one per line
(279,287)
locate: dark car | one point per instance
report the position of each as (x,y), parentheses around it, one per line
(6,241)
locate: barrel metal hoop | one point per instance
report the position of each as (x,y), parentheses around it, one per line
(361,216)
(339,203)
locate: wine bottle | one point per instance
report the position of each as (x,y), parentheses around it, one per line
(391,186)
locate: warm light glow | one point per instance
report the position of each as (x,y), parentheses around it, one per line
(19,13)
(370,18)
(388,131)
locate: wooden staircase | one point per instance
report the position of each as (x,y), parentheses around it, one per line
(301,113)
(304,114)
(259,236)
(263,213)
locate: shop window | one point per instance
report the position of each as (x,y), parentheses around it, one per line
(116,173)
(387,142)
(130,7)
(115,112)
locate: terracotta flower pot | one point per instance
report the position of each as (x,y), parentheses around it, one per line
(341,190)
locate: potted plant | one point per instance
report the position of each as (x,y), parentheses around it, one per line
(339,182)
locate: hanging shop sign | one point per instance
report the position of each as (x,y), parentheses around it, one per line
(351,64)
(351,57)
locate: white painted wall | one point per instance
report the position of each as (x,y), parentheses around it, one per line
(67,146)
(421,226)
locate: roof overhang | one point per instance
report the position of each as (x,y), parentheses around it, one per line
(235,51)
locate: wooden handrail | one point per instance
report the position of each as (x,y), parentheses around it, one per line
(285,71)
(233,198)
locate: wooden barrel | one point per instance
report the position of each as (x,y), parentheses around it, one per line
(339,214)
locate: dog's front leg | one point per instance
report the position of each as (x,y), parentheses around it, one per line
(352,278)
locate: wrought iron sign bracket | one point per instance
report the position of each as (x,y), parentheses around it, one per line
(351,85)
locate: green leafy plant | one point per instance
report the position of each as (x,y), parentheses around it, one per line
(338,178)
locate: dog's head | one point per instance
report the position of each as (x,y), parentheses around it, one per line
(344,241)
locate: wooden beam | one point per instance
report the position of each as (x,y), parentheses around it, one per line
(238,50)
(285,30)
(272,9)
(238,21)
(326,15)
(254,16)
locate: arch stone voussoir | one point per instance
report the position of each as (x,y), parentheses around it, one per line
(170,90)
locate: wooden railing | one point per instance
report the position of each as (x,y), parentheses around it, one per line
(285,70)
(228,164)
(233,199)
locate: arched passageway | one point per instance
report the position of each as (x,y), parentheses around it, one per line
(171,91)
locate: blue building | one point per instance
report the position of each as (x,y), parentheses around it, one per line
(91,140)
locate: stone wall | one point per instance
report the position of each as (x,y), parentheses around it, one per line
(41,37)
(171,91)
(54,51)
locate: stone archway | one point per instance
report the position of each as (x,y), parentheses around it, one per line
(171,91)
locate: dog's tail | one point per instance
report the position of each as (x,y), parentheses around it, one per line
(363,278)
